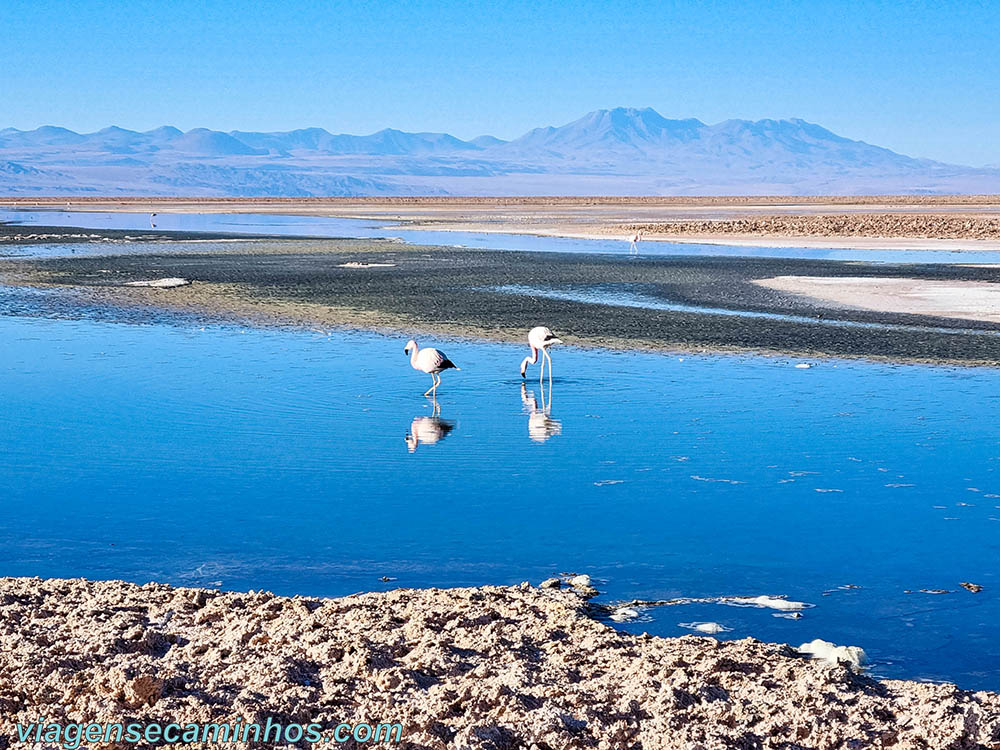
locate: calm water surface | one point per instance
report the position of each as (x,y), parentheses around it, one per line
(306,463)
(364,228)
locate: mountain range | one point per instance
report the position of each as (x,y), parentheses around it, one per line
(623,151)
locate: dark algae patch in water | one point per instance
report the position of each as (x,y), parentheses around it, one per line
(458,291)
(15,234)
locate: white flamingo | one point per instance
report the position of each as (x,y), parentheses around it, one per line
(152,222)
(429,360)
(539,339)
(636,239)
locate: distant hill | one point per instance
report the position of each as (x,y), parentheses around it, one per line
(622,151)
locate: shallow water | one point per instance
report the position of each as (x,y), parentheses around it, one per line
(271,224)
(306,463)
(363,228)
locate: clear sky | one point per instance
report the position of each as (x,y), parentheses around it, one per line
(922,78)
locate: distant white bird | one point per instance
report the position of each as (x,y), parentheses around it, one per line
(151,222)
(430,361)
(636,239)
(539,339)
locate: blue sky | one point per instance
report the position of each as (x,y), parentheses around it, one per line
(922,78)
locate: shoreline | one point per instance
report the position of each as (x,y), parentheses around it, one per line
(147,306)
(777,241)
(682,304)
(482,668)
(604,218)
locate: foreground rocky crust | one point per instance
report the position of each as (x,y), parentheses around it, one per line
(489,667)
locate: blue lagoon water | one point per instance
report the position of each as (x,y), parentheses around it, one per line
(306,463)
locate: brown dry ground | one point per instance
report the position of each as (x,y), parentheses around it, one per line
(491,668)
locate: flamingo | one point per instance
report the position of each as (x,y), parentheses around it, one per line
(636,239)
(429,360)
(152,222)
(539,339)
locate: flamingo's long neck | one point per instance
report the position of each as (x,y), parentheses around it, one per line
(413,356)
(529,360)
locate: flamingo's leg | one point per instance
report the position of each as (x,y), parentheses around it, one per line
(547,400)
(430,390)
(549,358)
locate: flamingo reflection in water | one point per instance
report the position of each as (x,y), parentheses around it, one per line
(541,425)
(428,430)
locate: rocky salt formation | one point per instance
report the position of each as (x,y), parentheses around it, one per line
(486,668)
(929,226)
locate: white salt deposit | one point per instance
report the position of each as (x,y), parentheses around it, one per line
(624,614)
(170,283)
(852,656)
(705,627)
(767,602)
